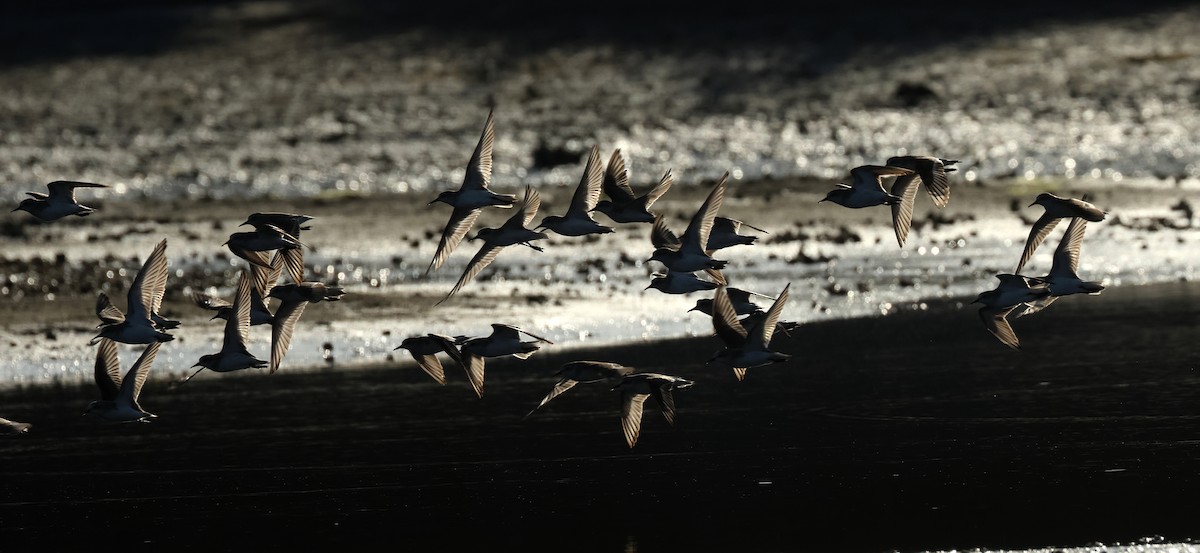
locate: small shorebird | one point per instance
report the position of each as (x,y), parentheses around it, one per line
(471,197)
(13,428)
(578,221)
(674,282)
(119,396)
(512,232)
(868,191)
(931,172)
(233,355)
(1057,209)
(1012,292)
(264,281)
(635,388)
(293,299)
(585,372)
(424,350)
(291,224)
(504,340)
(725,234)
(59,203)
(256,246)
(144,298)
(690,252)
(746,349)
(741,300)
(1063,279)
(623,206)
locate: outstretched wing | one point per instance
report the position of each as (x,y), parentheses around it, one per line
(661,236)
(661,188)
(1066,256)
(131,387)
(766,326)
(587,194)
(483,257)
(906,188)
(460,222)
(616,179)
(108,369)
(631,415)
(696,235)
(107,312)
(1041,229)
(996,321)
(725,321)
(146,292)
(282,328)
(562,386)
(479,169)
(64,190)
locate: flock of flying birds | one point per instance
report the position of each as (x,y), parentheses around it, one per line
(745,329)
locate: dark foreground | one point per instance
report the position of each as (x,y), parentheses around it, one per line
(916,431)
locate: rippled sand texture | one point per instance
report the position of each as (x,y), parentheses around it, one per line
(900,433)
(273,98)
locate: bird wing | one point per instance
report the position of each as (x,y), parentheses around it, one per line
(666,402)
(725,321)
(265,279)
(1031,307)
(871,176)
(483,257)
(293,259)
(766,327)
(616,179)
(696,235)
(529,209)
(588,191)
(237,327)
(996,321)
(64,190)
(447,344)
(460,222)
(131,387)
(631,415)
(146,292)
(108,369)
(664,184)
(107,312)
(432,366)
(661,236)
(906,188)
(1041,229)
(479,169)
(282,328)
(534,336)
(933,176)
(1066,256)
(474,366)
(209,302)
(562,386)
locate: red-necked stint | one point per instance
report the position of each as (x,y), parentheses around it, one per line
(233,355)
(119,396)
(424,350)
(144,297)
(1057,209)
(742,300)
(13,428)
(724,234)
(293,299)
(1012,292)
(256,246)
(59,203)
(690,252)
(504,340)
(868,191)
(746,349)
(623,205)
(585,372)
(512,232)
(932,173)
(472,196)
(635,388)
(1063,279)
(578,221)
(291,224)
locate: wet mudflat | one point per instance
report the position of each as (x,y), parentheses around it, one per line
(909,432)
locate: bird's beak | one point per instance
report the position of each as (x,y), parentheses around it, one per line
(244,224)
(197,365)
(1032,204)
(16,210)
(215,317)
(398,347)
(648,286)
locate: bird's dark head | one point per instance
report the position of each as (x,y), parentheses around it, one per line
(26,205)
(1042,199)
(208,361)
(446,197)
